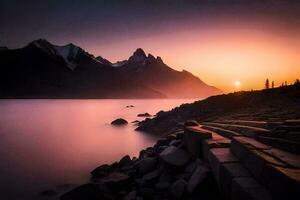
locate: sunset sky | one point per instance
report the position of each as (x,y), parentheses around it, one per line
(221,41)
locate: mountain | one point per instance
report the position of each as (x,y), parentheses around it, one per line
(44,70)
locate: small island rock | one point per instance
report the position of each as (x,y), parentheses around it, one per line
(144,115)
(119,122)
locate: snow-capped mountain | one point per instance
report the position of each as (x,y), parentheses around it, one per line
(44,70)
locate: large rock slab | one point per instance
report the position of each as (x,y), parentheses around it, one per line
(275,169)
(174,156)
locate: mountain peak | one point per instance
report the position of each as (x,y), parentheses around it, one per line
(139,52)
(138,57)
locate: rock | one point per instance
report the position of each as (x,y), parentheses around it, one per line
(130,196)
(125,160)
(116,180)
(151,177)
(162,185)
(174,156)
(160,149)
(178,188)
(191,166)
(147,193)
(135,121)
(198,176)
(119,122)
(100,171)
(144,115)
(163,142)
(146,165)
(85,192)
(175,143)
(191,123)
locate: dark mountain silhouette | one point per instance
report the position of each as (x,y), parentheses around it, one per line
(44,70)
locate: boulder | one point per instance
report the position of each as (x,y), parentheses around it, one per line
(147,192)
(197,177)
(163,142)
(144,115)
(119,122)
(151,177)
(174,156)
(178,188)
(162,185)
(116,180)
(175,143)
(100,171)
(160,149)
(125,160)
(146,165)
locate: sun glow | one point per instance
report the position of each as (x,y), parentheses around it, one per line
(237,84)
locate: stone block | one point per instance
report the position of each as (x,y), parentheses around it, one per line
(282,182)
(193,138)
(217,156)
(229,171)
(216,141)
(247,188)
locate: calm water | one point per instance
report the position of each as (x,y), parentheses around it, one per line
(47,143)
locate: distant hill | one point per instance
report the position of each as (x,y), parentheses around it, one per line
(271,104)
(44,70)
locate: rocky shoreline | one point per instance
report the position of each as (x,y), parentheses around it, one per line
(164,171)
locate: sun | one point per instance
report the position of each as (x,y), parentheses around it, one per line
(237,84)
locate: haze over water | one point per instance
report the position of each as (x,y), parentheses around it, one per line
(48,143)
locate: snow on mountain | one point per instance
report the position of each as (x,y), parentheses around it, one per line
(119,63)
(68,53)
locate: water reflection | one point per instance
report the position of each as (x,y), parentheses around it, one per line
(45,143)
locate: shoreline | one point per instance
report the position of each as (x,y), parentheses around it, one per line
(164,171)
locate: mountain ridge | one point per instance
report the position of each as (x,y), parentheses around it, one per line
(44,70)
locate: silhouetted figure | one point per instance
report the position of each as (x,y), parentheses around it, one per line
(285,83)
(267,84)
(273,84)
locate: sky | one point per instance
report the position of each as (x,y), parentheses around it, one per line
(223,42)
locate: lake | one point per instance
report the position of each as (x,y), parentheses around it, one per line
(54,144)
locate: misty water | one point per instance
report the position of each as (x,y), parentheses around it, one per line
(54,144)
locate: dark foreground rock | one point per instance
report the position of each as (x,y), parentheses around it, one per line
(164,171)
(119,122)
